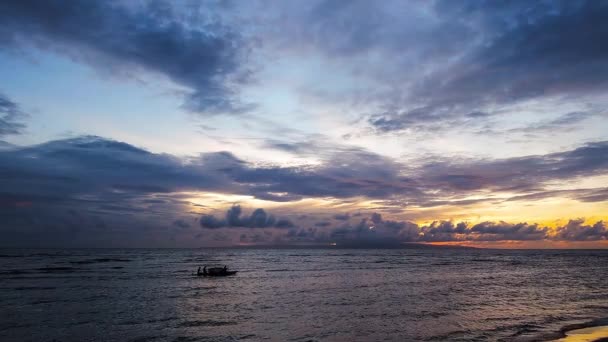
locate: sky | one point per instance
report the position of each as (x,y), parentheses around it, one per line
(309,123)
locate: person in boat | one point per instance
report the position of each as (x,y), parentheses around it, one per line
(199,273)
(225,268)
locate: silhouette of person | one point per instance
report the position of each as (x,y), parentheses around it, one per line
(225,268)
(198,272)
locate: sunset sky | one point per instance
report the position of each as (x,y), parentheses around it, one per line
(368,123)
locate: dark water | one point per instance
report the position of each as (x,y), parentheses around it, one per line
(298,295)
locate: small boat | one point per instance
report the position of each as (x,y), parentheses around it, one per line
(215,272)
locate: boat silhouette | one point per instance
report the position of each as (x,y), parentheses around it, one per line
(214,272)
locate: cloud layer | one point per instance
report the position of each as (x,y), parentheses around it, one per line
(352,112)
(521,51)
(91,179)
(374,231)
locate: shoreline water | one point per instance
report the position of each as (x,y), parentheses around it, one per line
(590,334)
(593,331)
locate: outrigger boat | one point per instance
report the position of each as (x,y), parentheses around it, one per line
(214,272)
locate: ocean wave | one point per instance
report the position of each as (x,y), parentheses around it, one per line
(206,323)
(58,269)
(98,261)
(26,288)
(13,272)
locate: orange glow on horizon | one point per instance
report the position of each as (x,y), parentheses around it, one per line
(537,244)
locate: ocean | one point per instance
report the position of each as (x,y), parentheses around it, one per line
(299,294)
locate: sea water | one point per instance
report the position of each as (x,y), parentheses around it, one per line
(299,294)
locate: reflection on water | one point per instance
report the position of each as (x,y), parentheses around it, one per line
(298,295)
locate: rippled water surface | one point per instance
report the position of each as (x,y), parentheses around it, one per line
(298,295)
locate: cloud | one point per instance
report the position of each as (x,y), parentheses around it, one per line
(89,164)
(344,172)
(422,65)
(10,116)
(341,217)
(115,171)
(441,231)
(124,185)
(583,195)
(519,51)
(576,230)
(593,195)
(101,180)
(181,224)
(564,123)
(204,56)
(86,165)
(258,219)
(516,174)
(375,230)
(507,231)
(355,28)
(546,49)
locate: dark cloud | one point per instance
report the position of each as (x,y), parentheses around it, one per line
(284,223)
(548,48)
(305,235)
(181,223)
(115,181)
(10,117)
(118,171)
(593,195)
(350,29)
(506,231)
(576,230)
(98,178)
(204,55)
(86,165)
(211,222)
(517,174)
(375,230)
(519,51)
(583,195)
(258,219)
(347,173)
(341,217)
